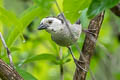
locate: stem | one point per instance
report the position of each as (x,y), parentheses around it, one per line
(7,72)
(61,66)
(61,72)
(8,51)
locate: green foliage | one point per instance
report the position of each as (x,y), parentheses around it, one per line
(45,6)
(44,3)
(73,8)
(39,46)
(19,24)
(117,76)
(1,2)
(24,21)
(25,75)
(7,17)
(98,6)
(48,57)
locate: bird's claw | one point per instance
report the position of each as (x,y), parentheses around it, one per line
(90,31)
(79,66)
(83,62)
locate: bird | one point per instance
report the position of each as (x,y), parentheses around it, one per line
(60,34)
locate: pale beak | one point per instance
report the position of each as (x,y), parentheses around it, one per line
(42,26)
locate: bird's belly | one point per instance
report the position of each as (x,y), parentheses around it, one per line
(64,40)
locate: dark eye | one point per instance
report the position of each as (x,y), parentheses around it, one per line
(50,22)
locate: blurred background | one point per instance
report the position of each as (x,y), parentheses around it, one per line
(36,56)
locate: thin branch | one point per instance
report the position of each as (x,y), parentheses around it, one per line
(8,51)
(89,46)
(8,72)
(116,10)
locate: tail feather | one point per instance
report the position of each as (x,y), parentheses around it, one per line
(78,21)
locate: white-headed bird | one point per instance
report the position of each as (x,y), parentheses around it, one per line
(60,33)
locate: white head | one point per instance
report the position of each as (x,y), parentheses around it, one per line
(51,24)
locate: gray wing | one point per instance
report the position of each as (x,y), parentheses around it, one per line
(76,30)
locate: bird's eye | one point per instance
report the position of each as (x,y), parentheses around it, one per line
(50,22)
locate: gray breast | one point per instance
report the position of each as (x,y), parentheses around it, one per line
(64,38)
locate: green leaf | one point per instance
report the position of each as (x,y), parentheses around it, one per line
(58,62)
(98,6)
(72,8)
(84,19)
(67,60)
(14,49)
(61,61)
(54,46)
(44,3)
(10,19)
(45,6)
(117,75)
(7,17)
(26,18)
(49,57)
(1,3)
(25,75)
(20,24)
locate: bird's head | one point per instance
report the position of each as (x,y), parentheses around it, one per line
(51,24)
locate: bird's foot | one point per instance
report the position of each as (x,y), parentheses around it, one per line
(83,62)
(90,31)
(78,65)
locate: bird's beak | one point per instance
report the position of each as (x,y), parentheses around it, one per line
(42,26)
